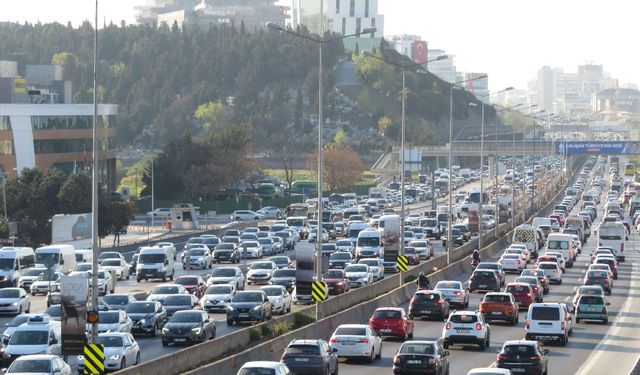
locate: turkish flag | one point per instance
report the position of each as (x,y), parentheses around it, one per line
(419,51)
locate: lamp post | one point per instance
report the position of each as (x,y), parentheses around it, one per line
(402,137)
(94,183)
(321,42)
(450,213)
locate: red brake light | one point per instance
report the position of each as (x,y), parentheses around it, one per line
(334,340)
(606,279)
(502,357)
(457,293)
(440,302)
(535,357)
(413,300)
(562,326)
(447,326)
(363,341)
(396,360)
(478,326)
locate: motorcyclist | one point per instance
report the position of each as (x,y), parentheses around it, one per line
(475,257)
(423,281)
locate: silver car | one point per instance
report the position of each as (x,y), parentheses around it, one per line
(454,292)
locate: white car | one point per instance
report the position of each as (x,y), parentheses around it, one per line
(548,322)
(279,297)
(264,367)
(423,248)
(524,254)
(217,297)
(359,275)
(227,275)
(270,212)
(252,249)
(120,350)
(246,215)
(466,327)
(345,245)
(106,283)
(118,267)
(313,235)
(261,272)
(14,301)
(552,271)
(162,291)
(356,341)
(113,321)
(162,212)
(15,322)
(198,258)
(41,364)
(45,281)
(454,292)
(512,262)
(375,266)
(29,276)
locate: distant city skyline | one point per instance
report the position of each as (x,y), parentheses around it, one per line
(508,40)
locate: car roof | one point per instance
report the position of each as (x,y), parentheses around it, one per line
(305,341)
(520,342)
(259,364)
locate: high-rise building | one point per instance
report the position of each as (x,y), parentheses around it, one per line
(590,79)
(479,87)
(546,88)
(444,69)
(411,46)
(340,16)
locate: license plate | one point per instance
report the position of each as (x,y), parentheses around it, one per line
(425,312)
(180,339)
(496,313)
(302,359)
(462,330)
(517,370)
(482,286)
(385,330)
(243,315)
(348,343)
(414,362)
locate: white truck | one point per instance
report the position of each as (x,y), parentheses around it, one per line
(377,193)
(612,235)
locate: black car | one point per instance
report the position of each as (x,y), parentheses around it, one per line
(226,252)
(523,357)
(312,357)
(249,306)
(429,304)
(148,317)
(133,264)
(493,266)
(456,236)
(464,230)
(188,327)
(421,357)
(340,259)
(117,301)
(484,279)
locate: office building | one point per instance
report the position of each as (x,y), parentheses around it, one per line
(340,16)
(444,69)
(478,87)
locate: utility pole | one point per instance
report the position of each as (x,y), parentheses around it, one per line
(94,183)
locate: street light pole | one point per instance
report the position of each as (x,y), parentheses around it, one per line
(402,172)
(94,183)
(320,161)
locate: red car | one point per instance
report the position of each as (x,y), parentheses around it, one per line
(559,218)
(336,281)
(392,321)
(193,284)
(523,293)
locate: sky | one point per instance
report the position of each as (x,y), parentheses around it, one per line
(508,39)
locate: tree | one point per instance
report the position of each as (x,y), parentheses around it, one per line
(75,194)
(340,137)
(342,166)
(213,115)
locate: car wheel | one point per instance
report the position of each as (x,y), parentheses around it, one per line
(230,322)
(123,364)
(372,357)
(138,358)
(577,320)
(379,351)
(28,308)
(605,321)
(445,345)
(164,278)
(165,343)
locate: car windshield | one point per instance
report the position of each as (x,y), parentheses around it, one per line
(484,274)
(302,349)
(186,317)
(272,292)
(9,293)
(165,290)
(109,317)
(587,290)
(340,256)
(116,299)
(351,331)
(29,338)
(426,297)
(591,300)
(140,308)
(261,266)
(343,243)
(387,314)
(219,289)
(497,298)
(372,241)
(151,258)
(111,262)
(247,297)
(84,267)
(54,310)
(527,280)
(44,257)
(370,262)
(545,313)
(265,241)
(111,341)
(257,371)
(284,273)
(415,348)
(561,245)
(196,252)
(187,281)
(548,266)
(30,366)
(223,272)
(463,318)
(524,350)
(356,268)
(596,274)
(179,300)
(517,288)
(448,285)
(225,246)
(6,263)
(33,272)
(333,275)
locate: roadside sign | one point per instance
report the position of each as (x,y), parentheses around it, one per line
(319,291)
(402,263)
(94,359)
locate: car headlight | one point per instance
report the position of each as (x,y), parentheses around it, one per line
(143,321)
(257,308)
(196,330)
(114,357)
(14,304)
(165,330)
(80,358)
(230,308)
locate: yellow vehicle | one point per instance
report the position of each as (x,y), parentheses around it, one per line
(629,169)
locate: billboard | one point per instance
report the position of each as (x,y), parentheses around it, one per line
(597,147)
(391,237)
(74,292)
(65,228)
(305,259)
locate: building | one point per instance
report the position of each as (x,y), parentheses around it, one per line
(617,102)
(546,88)
(444,69)
(478,86)
(253,13)
(345,17)
(590,79)
(411,46)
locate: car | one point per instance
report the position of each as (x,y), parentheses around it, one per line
(270,212)
(544,280)
(549,257)
(535,285)
(226,252)
(117,301)
(249,306)
(392,322)
(279,297)
(148,317)
(106,282)
(44,281)
(523,357)
(162,291)
(336,280)
(199,257)
(248,236)
(412,255)
(548,322)
(611,261)
(484,279)
(269,245)
(162,212)
(599,277)
(345,245)
(500,306)
(488,371)
(120,350)
(188,327)
(356,341)
(217,297)
(522,292)
(466,327)
(170,245)
(180,302)
(29,276)
(423,248)
(310,357)
(552,271)
(359,275)
(263,367)
(246,215)
(464,230)
(340,259)
(592,308)
(421,357)
(313,235)
(118,267)
(193,284)
(512,263)
(493,266)
(285,277)
(328,249)
(588,290)
(13,324)
(454,292)
(109,255)
(227,275)
(252,249)
(114,321)
(375,266)
(42,364)
(261,272)
(14,301)
(429,304)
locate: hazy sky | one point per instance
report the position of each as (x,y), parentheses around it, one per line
(509,39)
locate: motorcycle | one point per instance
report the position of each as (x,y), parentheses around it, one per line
(474,263)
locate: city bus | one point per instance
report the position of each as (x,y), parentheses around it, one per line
(267,191)
(304,187)
(629,169)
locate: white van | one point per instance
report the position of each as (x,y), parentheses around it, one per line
(526,234)
(548,322)
(39,335)
(155,263)
(562,243)
(537,221)
(580,223)
(84,256)
(64,257)
(12,260)
(355,229)
(612,235)
(369,244)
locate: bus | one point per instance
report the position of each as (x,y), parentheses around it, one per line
(474,196)
(304,187)
(267,191)
(629,169)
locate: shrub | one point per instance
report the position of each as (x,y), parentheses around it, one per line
(301,320)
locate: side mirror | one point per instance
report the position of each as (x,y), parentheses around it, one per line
(445,353)
(545,351)
(608,303)
(166,262)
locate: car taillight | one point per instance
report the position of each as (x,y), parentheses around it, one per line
(622,247)
(432,361)
(334,340)
(440,302)
(447,326)
(396,360)
(535,357)
(562,326)
(502,357)
(606,279)
(478,326)
(413,301)
(363,341)
(457,293)
(527,324)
